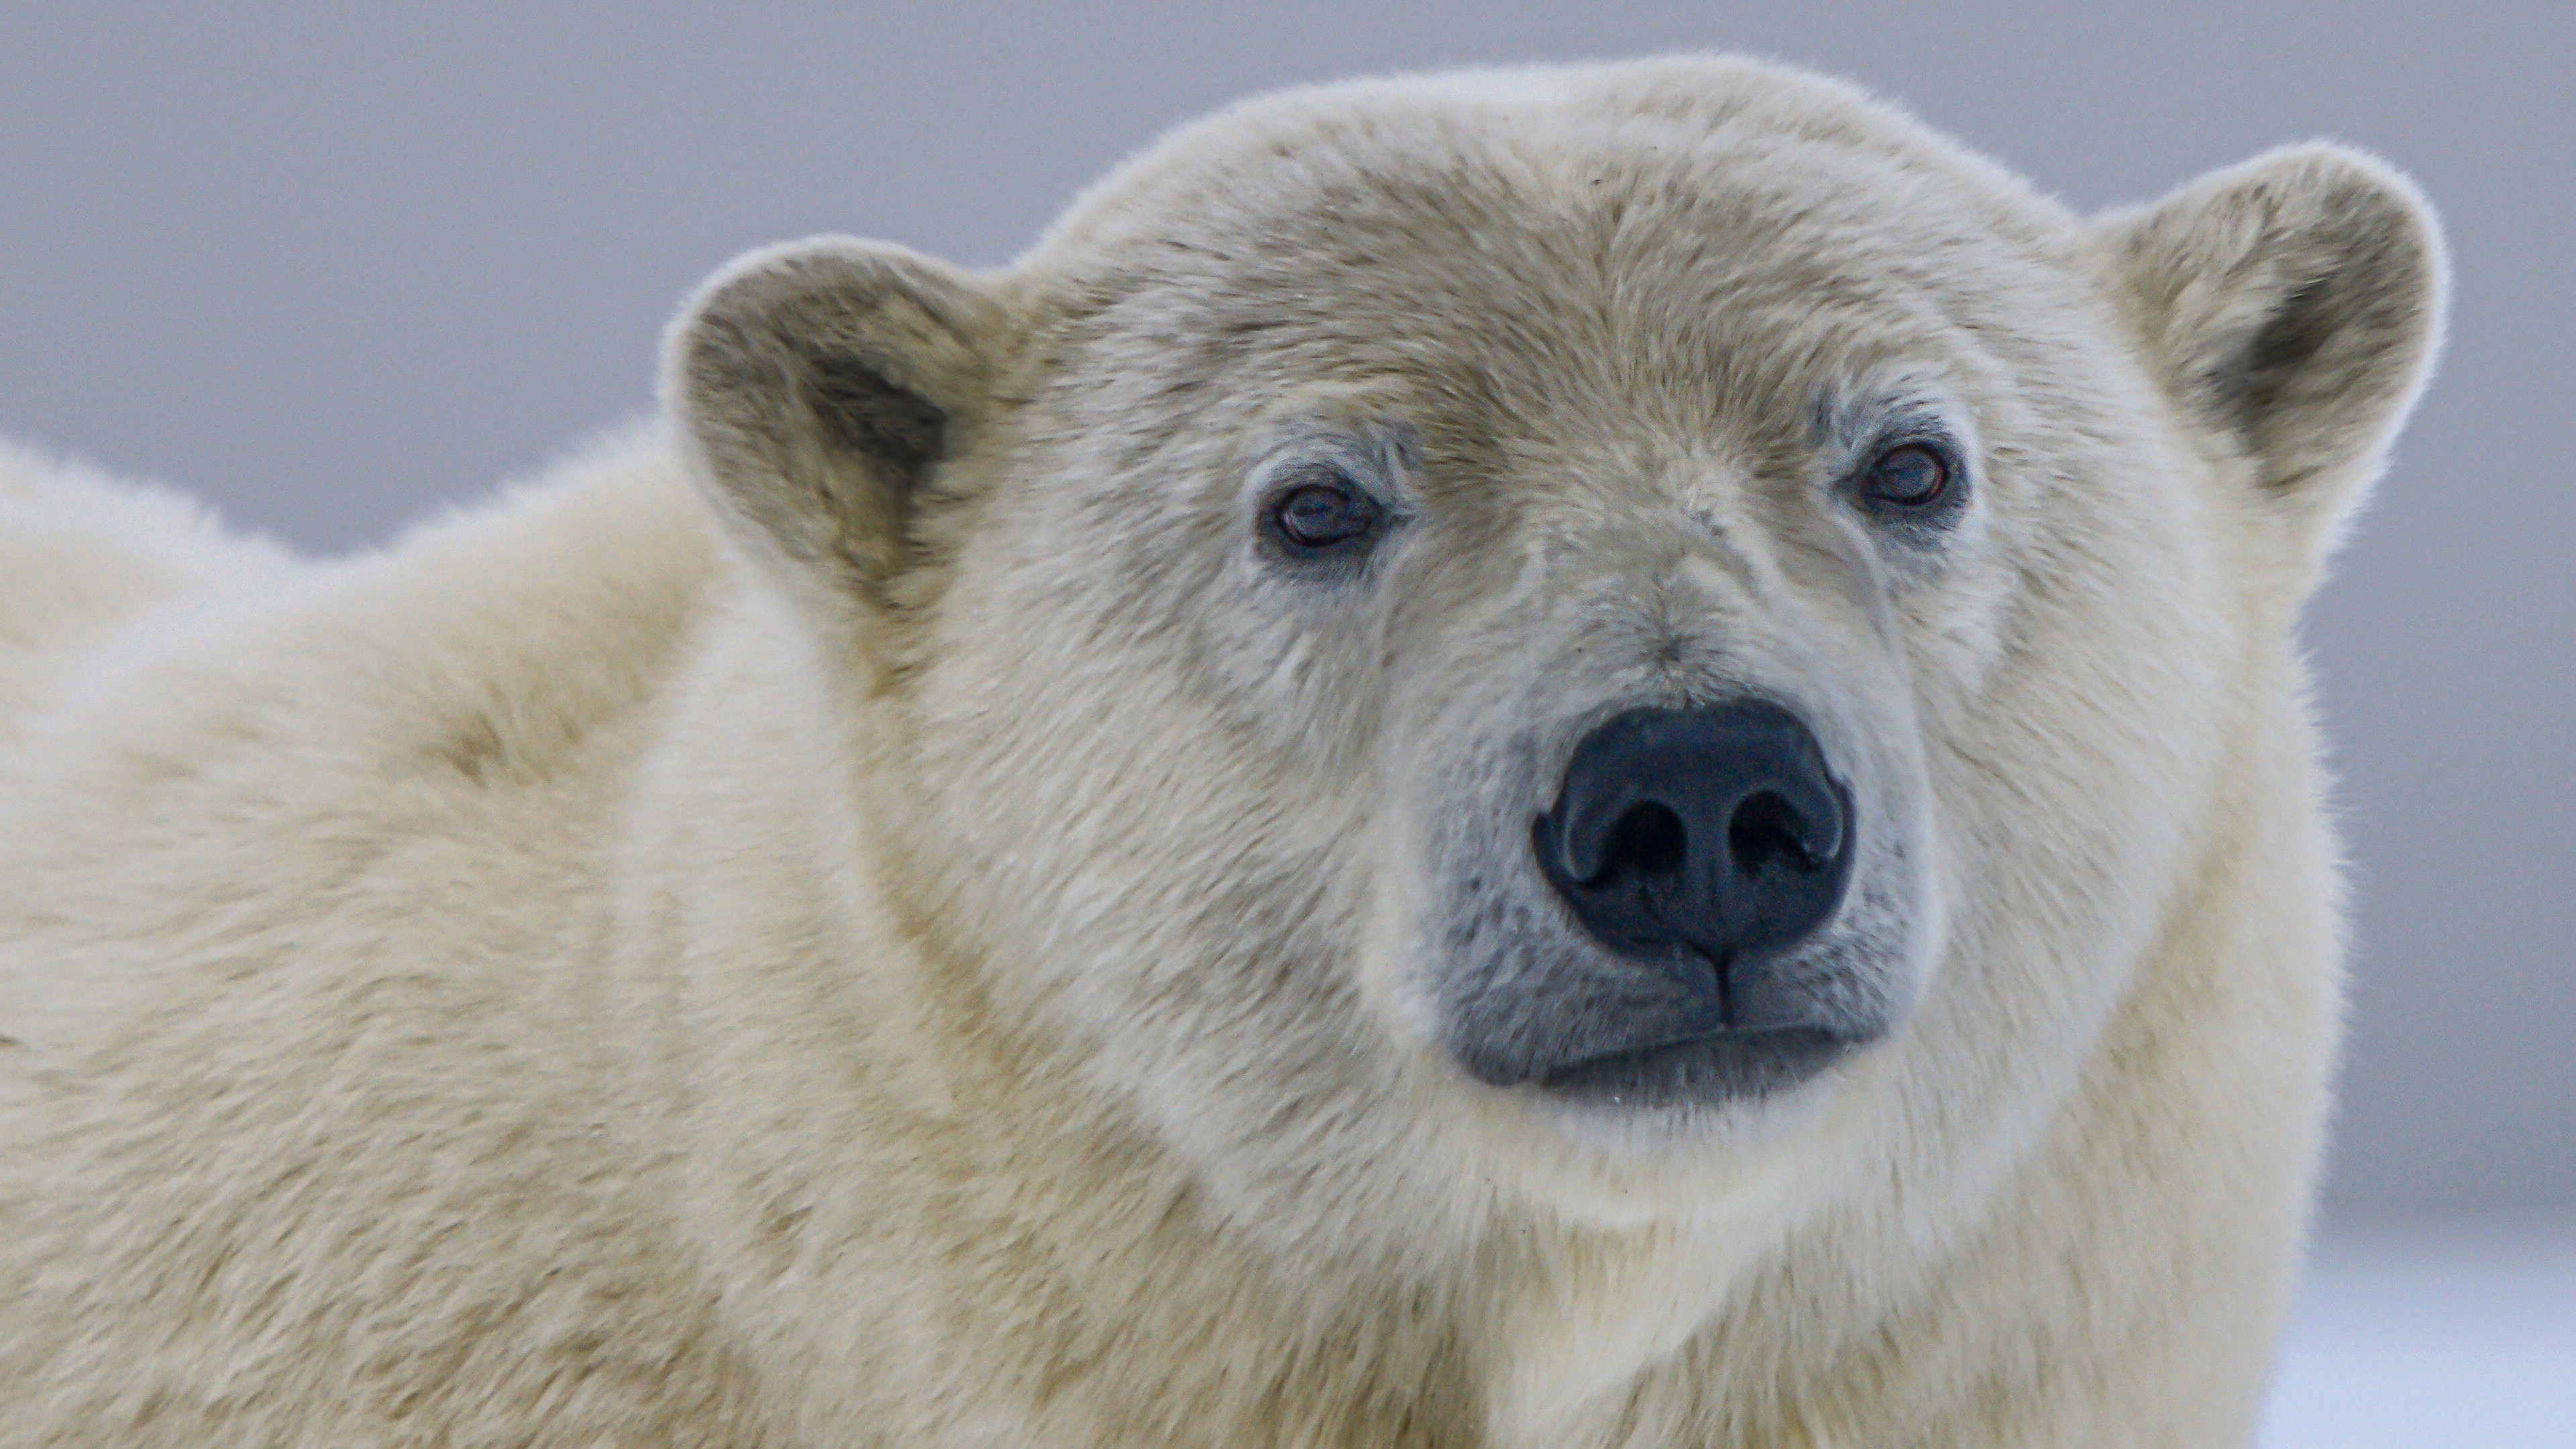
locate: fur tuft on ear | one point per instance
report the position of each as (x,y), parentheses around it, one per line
(2296,304)
(818,386)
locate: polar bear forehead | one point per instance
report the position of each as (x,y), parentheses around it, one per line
(1576,248)
(1533,124)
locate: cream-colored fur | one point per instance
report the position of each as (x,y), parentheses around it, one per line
(872,911)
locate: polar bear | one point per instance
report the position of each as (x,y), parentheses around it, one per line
(1584,756)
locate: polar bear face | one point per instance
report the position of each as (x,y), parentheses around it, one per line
(1608,635)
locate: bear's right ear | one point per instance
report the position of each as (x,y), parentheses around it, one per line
(819,386)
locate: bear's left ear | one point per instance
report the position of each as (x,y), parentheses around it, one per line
(821,388)
(2296,304)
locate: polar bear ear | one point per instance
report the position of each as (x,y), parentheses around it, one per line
(820,385)
(2296,302)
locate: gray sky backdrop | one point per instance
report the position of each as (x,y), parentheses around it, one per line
(332,267)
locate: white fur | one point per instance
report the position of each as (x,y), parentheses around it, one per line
(951,952)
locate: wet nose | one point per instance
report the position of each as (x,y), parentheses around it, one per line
(1717,830)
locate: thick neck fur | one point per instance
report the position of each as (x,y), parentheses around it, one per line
(1055,1262)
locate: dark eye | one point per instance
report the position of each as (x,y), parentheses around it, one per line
(1322,511)
(1911,476)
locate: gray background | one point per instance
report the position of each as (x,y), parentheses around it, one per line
(333,268)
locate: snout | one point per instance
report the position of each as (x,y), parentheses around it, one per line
(1707,852)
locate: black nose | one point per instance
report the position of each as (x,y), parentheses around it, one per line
(1716,830)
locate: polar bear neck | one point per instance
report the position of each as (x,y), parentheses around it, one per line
(919,1155)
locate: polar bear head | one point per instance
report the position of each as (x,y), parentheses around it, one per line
(1617,636)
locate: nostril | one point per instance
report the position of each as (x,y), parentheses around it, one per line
(1716,830)
(1648,841)
(1764,831)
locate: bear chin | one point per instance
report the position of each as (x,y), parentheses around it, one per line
(1719,1069)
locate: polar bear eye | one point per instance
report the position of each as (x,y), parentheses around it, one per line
(1911,476)
(1319,510)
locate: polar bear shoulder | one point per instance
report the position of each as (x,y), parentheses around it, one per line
(312,839)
